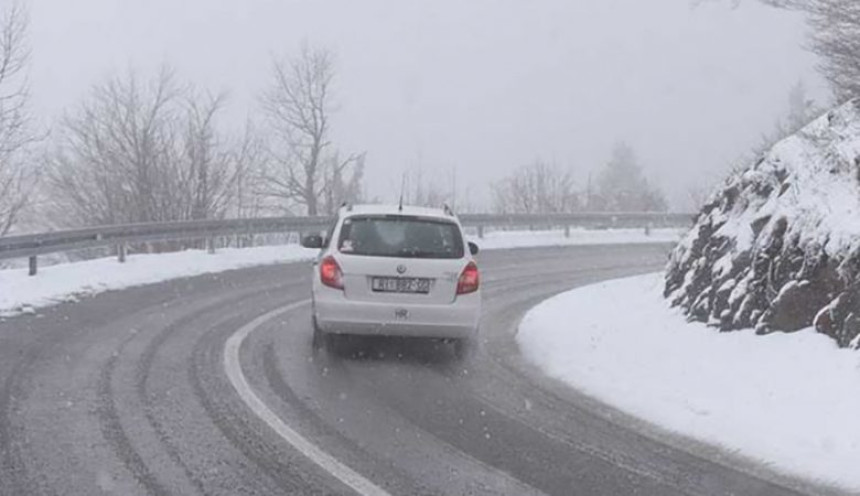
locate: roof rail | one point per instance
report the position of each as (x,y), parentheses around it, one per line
(347,205)
(448,210)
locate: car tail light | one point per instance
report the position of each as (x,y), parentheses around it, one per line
(470,280)
(330,273)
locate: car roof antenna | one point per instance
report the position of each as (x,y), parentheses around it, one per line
(402,188)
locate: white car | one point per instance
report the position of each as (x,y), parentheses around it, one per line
(396,271)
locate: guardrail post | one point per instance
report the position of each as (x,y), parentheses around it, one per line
(567,231)
(34,265)
(480,232)
(121,252)
(210,246)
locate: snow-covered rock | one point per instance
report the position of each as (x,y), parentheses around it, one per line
(778,246)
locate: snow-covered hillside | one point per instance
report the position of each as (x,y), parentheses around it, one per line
(778,247)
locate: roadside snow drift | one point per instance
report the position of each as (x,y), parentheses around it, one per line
(20,293)
(789,400)
(778,247)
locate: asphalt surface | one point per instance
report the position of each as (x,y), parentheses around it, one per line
(126,393)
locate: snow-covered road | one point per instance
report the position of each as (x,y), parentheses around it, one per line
(788,400)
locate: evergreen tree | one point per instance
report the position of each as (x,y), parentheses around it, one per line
(622,186)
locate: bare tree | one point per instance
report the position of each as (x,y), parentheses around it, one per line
(209,167)
(17,178)
(250,156)
(697,195)
(340,187)
(142,152)
(801,111)
(435,191)
(299,107)
(417,189)
(536,188)
(835,36)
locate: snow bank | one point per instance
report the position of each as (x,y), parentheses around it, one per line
(67,282)
(787,399)
(778,247)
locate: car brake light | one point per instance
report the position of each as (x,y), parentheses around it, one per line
(470,280)
(330,273)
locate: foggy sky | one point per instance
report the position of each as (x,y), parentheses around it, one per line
(482,86)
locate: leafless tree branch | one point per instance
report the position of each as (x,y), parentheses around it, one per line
(835,37)
(536,188)
(298,106)
(145,151)
(17,177)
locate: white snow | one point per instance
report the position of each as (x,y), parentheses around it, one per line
(789,400)
(20,293)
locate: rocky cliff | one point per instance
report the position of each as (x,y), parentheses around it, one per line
(777,247)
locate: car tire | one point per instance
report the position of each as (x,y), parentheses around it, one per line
(463,348)
(320,339)
(340,345)
(334,344)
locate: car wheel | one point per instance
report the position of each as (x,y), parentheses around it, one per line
(463,348)
(341,345)
(319,340)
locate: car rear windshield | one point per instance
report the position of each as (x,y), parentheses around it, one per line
(400,236)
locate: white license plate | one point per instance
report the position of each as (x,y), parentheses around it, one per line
(400,285)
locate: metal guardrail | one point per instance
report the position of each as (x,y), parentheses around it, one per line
(94,237)
(32,245)
(580,219)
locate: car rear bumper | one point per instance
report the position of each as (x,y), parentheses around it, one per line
(337,315)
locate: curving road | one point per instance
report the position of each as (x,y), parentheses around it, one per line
(135,392)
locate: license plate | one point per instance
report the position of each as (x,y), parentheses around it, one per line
(400,285)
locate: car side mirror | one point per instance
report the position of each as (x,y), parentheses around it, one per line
(312,241)
(473,248)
